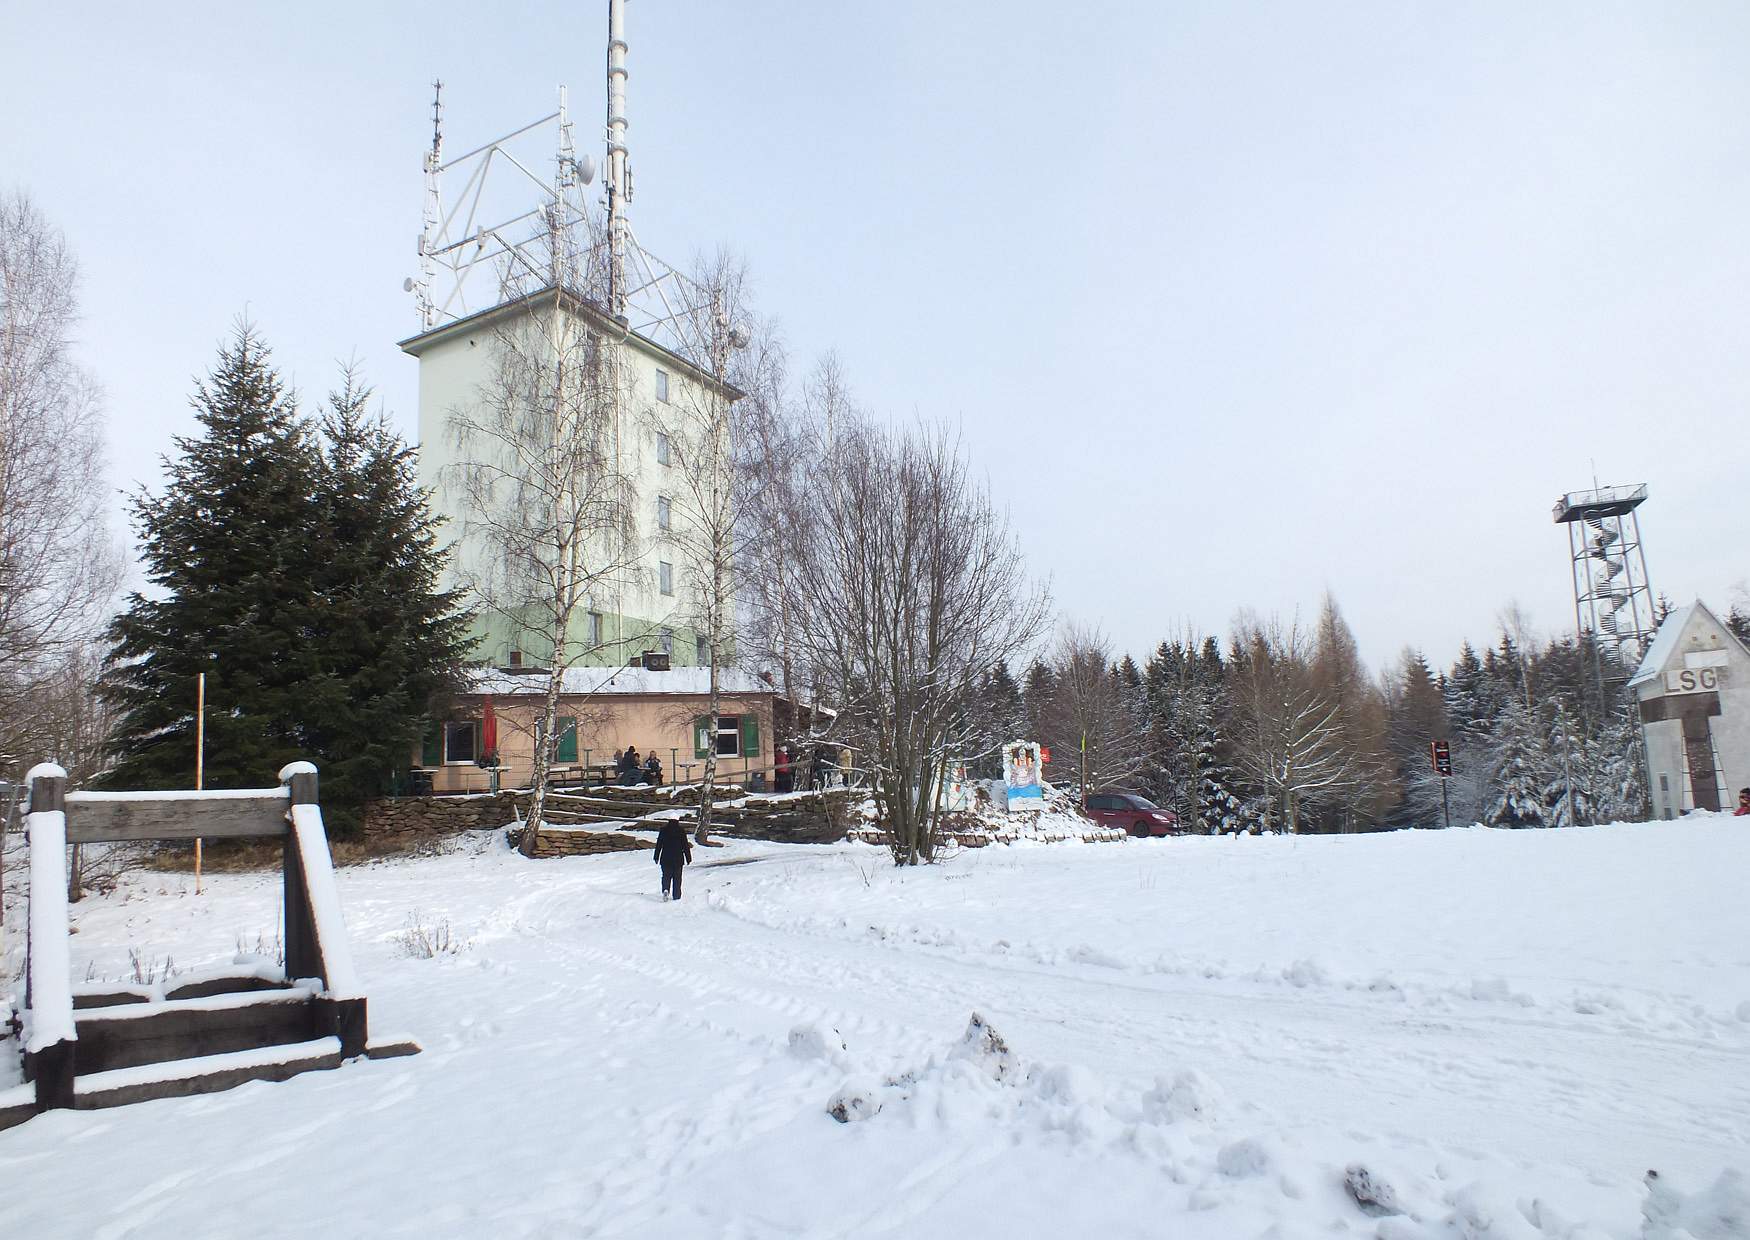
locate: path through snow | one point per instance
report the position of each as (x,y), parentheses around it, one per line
(1493,1034)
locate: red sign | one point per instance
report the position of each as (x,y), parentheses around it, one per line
(1044,754)
(1441,752)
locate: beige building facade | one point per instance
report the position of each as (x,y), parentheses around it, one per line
(1693,691)
(601,712)
(646,605)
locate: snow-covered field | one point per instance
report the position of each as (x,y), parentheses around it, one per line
(1500,1033)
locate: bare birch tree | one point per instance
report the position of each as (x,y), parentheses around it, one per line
(711,419)
(59,563)
(915,587)
(1288,736)
(548,525)
(777,447)
(1092,721)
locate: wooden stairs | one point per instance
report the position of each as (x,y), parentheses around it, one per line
(90,1047)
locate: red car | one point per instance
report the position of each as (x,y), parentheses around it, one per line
(1137,815)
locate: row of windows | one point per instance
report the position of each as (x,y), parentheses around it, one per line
(701,647)
(457,742)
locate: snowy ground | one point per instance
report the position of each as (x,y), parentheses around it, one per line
(1506,1030)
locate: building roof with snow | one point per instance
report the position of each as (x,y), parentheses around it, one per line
(1668,644)
(589,681)
(1664,643)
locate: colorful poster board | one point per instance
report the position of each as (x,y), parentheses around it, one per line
(1021,778)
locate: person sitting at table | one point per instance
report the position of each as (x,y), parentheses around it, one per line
(629,766)
(653,769)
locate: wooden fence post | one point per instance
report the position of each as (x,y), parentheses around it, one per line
(53,1066)
(303,953)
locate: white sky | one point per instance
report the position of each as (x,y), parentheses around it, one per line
(1234,303)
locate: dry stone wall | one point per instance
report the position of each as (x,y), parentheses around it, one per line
(572,842)
(409,821)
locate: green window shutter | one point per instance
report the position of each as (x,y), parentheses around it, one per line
(702,736)
(431,747)
(567,751)
(750,735)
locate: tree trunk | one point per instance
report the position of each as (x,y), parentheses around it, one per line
(702,830)
(543,753)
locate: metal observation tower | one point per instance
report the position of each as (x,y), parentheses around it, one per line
(1613,602)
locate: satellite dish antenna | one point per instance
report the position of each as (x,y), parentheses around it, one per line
(585,169)
(407,285)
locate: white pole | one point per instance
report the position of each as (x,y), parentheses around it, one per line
(619,187)
(200,753)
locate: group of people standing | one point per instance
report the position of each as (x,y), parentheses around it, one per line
(631,773)
(828,766)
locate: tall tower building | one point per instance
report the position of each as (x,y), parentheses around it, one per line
(1613,602)
(557,360)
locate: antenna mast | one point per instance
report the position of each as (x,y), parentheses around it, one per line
(434,164)
(619,182)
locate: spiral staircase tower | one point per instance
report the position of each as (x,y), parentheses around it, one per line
(1613,602)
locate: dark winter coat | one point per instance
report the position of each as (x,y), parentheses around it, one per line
(673,848)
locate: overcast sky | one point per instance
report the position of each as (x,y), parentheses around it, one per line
(1235,303)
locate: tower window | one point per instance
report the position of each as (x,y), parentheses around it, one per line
(663,514)
(665,576)
(661,448)
(662,386)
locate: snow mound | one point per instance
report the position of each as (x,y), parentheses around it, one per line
(814,1041)
(1371,1192)
(984,1047)
(855,1101)
(1718,1212)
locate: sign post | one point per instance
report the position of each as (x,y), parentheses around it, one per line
(1441,753)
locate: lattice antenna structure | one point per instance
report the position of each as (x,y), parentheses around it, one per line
(1613,601)
(493,224)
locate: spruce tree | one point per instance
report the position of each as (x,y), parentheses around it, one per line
(392,638)
(227,548)
(302,581)
(1520,760)
(1568,761)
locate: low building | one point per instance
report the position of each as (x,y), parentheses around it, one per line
(601,711)
(1693,688)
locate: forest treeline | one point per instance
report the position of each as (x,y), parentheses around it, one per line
(1282,727)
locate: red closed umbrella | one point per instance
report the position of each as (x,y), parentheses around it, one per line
(488,728)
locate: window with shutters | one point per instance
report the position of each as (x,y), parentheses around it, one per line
(729,736)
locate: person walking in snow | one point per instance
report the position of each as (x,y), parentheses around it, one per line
(673,850)
(1743,810)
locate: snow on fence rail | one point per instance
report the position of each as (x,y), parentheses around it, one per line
(316,943)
